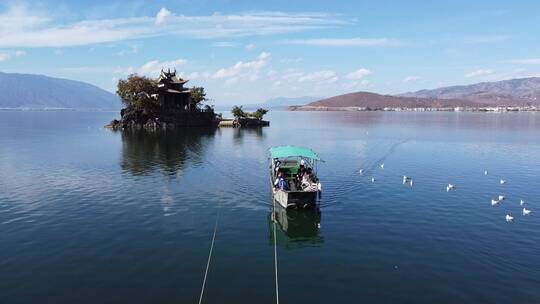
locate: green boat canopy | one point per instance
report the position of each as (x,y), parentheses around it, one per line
(292,151)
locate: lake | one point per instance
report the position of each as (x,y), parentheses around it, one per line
(88,215)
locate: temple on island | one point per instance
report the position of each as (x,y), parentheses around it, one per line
(172,93)
(170,105)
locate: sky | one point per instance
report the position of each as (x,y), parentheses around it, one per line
(250,51)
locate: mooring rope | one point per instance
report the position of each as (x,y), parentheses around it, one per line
(209,258)
(275,252)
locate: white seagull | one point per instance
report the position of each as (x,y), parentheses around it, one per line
(410,182)
(405,179)
(526,211)
(485,172)
(509,218)
(361,171)
(382,166)
(501,197)
(494,202)
(373,179)
(450,187)
(502,181)
(521,202)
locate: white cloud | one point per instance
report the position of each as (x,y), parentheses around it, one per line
(243,70)
(411,79)
(486,39)
(4,56)
(153,68)
(366,42)
(22,27)
(356,85)
(250,46)
(358,74)
(291,60)
(162,16)
(223,44)
(479,73)
(326,76)
(526,61)
(292,76)
(131,50)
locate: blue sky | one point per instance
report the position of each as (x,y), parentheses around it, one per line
(250,51)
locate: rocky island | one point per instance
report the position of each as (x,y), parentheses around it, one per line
(162,103)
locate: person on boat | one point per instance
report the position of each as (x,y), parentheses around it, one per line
(281,182)
(300,174)
(277,163)
(309,181)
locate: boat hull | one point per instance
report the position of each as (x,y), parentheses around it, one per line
(295,199)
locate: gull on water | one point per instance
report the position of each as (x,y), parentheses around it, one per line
(521,202)
(450,187)
(361,171)
(485,172)
(502,181)
(501,197)
(405,179)
(526,211)
(373,179)
(382,166)
(509,218)
(494,202)
(410,182)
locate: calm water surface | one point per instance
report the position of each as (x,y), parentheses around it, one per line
(92,216)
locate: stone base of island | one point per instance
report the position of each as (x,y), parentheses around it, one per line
(243,122)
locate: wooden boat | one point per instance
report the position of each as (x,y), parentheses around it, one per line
(286,162)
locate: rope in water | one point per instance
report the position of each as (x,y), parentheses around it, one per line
(275,252)
(209,258)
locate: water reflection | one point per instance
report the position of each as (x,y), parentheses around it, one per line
(166,151)
(295,228)
(239,133)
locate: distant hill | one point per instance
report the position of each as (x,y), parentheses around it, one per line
(514,92)
(43,92)
(378,101)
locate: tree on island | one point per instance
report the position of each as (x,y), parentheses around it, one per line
(237,112)
(198,95)
(259,114)
(136,93)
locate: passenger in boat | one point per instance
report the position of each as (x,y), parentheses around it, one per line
(309,181)
(281,182)
(300,174)
(277,163)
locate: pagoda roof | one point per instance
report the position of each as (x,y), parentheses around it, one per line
(170,77)
(177,92)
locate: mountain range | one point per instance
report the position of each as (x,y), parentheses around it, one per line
(27,91)
(514,92)
(518,92)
